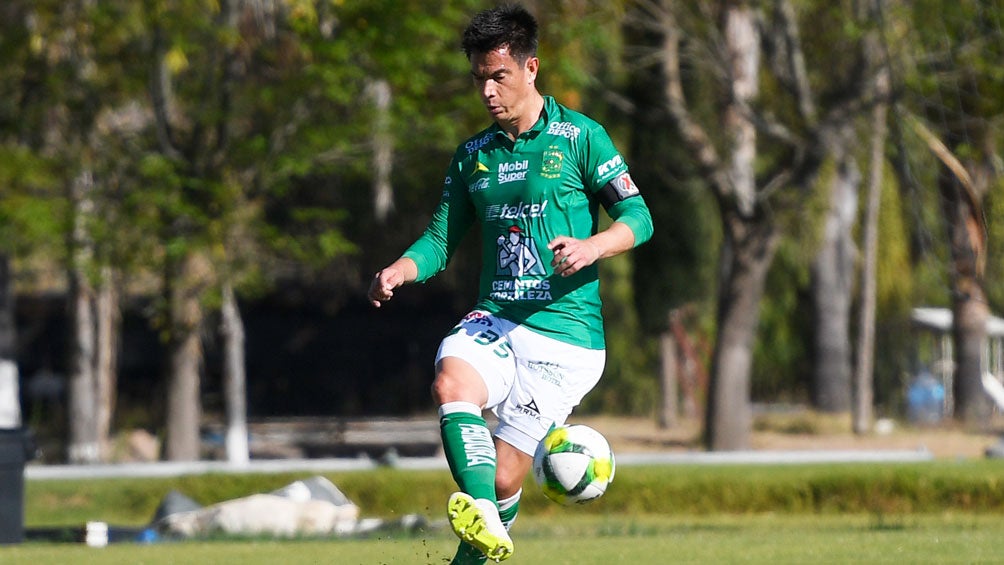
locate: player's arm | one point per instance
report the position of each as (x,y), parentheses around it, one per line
(571,255)
(400,272)
(450,222)
(432,251)
(614,189)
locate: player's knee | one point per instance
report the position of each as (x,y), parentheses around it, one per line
(447,387)
(458,384)
(440,390)
(507,482)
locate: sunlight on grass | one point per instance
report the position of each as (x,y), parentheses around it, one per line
(587,539)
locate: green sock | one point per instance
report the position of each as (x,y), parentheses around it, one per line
(469,448)
(467,554)
(509,508)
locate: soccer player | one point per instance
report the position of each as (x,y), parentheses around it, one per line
(533,345)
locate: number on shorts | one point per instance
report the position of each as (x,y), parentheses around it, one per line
(488,337)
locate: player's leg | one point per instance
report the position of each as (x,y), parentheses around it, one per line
(467,442)
(512,467)
(473,512)
(552,377)
(474,368)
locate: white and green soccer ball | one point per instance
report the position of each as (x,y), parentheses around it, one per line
(573,464)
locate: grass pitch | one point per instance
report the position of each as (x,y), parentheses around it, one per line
(574,538)
(937,512)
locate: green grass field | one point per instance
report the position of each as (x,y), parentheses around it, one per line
(936,512)
(588,539)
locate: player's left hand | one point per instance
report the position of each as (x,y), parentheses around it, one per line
(571,255)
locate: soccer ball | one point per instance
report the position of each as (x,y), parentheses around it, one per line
(573,464)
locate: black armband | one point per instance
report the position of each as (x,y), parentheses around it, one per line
(619,189)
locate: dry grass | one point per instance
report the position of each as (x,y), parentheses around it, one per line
(796,431)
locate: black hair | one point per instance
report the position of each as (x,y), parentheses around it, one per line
(507,25)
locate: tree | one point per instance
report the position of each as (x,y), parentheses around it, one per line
(10,408)
(752,178)
(678,274)
(832,288)
(954,104)
(62,51)
(255,108)
(863,393)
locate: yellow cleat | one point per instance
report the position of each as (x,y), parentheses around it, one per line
(477,522)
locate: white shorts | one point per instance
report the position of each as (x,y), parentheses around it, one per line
(533,380)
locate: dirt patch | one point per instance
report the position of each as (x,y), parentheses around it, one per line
(638,435)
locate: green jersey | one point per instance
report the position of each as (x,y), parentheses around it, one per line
(549,182)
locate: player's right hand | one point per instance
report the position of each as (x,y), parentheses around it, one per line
(383,284)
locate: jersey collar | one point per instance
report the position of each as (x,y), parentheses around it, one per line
(548,112)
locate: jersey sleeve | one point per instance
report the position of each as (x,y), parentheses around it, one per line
(450,221)
(607,179)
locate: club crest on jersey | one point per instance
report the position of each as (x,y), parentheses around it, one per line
(550,167)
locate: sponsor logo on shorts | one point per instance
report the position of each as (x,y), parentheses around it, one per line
(477,317)
(529,409)
(548,372)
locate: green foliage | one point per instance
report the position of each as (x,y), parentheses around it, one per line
(627,386)
(680,490)
(32,211)
(781,351)
(271,125)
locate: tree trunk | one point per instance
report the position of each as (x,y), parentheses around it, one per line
(382,143)
(234,379)
(832,286)
(670,371)
(10,405)
(184,408)
(962,203)
(106,368)
(746,260)
(863,391)
(83,445)
(969,332)
(749,245)
(93,353)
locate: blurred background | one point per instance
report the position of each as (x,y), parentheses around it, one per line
(194,195)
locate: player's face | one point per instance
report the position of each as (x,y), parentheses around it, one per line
(505,85)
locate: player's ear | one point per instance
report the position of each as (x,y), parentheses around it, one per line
(532,65)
